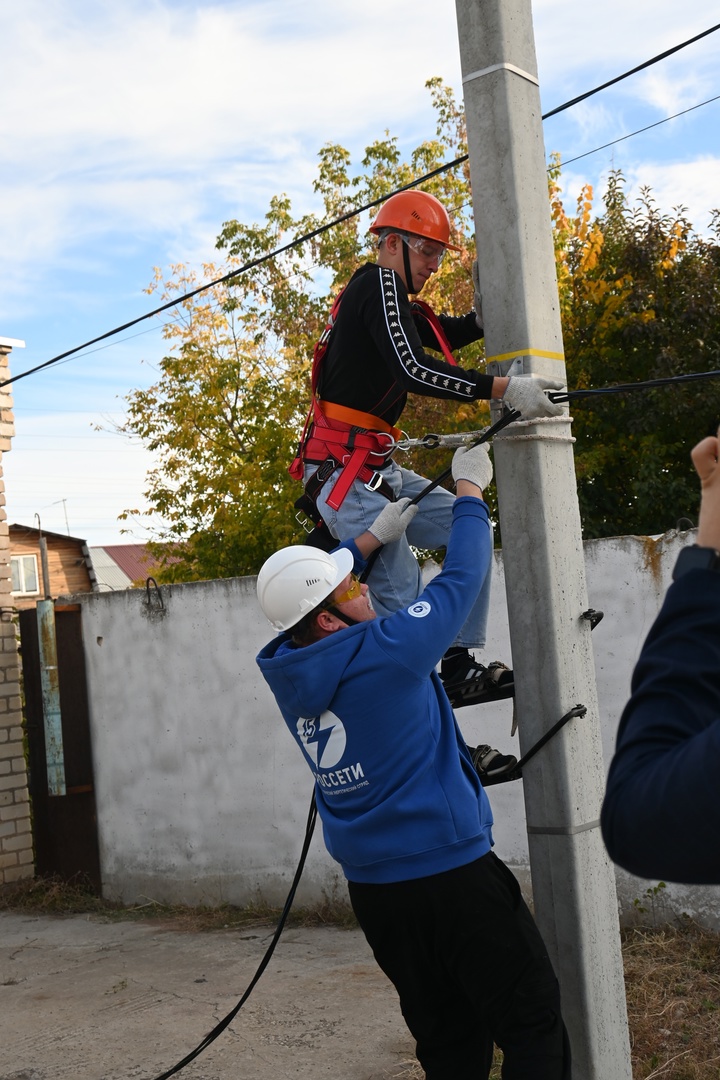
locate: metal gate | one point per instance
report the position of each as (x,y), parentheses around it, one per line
(64,826)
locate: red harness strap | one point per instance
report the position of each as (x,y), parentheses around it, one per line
(355,438)
(436,325)
(352,437)
(296,468)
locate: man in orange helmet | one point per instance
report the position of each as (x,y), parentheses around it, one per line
(371,356)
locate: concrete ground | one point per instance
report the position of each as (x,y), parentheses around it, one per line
(86,999)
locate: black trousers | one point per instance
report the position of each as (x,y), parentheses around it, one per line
(471,969)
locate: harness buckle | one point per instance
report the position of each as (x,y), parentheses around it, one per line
(303,521)
(375,481)
(326,470)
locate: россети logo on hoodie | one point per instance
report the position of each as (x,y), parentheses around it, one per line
(324,740)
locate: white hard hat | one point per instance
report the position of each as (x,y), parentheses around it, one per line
(296,579)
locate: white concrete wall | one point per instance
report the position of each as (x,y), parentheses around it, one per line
(202,795)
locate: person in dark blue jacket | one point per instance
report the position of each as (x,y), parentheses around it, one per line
(402,807)
(661,813)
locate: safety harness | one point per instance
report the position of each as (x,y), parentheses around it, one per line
(338,437)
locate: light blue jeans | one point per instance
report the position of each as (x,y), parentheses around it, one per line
(395,579)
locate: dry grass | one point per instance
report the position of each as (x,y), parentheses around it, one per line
(672,972)
(672,980)
(53,896)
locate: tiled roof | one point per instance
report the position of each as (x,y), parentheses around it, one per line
(133,559)
(118,566)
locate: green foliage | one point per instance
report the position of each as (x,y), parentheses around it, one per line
(639,299)
(224,416)
(221,421)
(651,896)
(639,294)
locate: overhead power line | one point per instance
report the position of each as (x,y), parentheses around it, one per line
(353,213)
(648,127)
(633,71)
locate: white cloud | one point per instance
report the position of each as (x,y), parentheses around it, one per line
(598,45)
(183,82)
(131,131)
(675,185)
(133,122)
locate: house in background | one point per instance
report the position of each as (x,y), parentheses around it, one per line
(73,567)
(70,568)
(122,566)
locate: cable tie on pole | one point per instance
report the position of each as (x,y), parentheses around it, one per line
(563,830)
(501,67)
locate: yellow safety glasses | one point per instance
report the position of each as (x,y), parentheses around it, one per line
(351,593)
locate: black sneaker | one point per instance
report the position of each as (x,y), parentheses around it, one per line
(491,766)
(468,682)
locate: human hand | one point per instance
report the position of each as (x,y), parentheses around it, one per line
(473,463)
(526,394)
(393,520)
(705,459)
(477,303)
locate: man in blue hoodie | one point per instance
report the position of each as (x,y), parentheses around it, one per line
(661,814)
(402,807)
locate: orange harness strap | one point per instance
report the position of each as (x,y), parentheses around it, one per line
(356,418)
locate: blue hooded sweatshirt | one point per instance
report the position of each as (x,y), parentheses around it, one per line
(396,790)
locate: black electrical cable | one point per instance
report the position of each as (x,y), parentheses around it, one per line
(640,131)
(633,71)
(625,388)
(234,273)
(227,1020)
(338,221)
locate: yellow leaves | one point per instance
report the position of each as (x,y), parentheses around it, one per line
(593,291)
(585,204)
(472,413)
(677,245)
(591,248)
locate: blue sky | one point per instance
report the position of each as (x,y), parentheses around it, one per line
(133,130)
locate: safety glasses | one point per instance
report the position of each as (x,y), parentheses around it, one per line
(351,593)
(426,248)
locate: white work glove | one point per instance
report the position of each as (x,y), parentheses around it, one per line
(393,520)
(473,463)
(477,303)
(525,393)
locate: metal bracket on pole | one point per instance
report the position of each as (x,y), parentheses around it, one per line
(516,774)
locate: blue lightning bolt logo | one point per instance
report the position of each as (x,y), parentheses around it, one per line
(323,737)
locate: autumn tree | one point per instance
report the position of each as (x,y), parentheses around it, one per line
(222,422)
(639,300)
(640,294)
(224,416)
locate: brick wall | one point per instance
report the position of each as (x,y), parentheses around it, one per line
(16,849)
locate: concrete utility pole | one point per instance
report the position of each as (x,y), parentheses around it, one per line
(573,880)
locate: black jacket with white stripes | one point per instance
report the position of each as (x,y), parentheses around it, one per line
(376,352)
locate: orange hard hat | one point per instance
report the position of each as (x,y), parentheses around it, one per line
(415,212)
